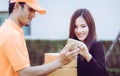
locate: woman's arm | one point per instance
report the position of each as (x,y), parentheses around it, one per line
(97,62)
(96,65)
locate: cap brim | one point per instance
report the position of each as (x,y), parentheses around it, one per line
(38,8)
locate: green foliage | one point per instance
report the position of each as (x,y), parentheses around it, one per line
(116,70)
(37,48)
(113,71)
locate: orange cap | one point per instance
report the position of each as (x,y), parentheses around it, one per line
(32,3)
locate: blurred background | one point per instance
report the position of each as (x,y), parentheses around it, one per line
(49,33)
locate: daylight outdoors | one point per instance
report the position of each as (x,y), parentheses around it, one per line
(49,33)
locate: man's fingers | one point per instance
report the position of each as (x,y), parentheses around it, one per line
(75,52)
(72,53)
(67,48)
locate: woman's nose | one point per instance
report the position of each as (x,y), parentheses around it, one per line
(79,29)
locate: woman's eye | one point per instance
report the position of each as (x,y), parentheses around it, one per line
(83,25)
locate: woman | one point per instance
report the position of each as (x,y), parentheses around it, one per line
(91,58)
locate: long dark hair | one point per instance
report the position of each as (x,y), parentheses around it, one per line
(90,22)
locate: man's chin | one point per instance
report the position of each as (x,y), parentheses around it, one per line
(26,25)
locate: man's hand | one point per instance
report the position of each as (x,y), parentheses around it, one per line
(66,55)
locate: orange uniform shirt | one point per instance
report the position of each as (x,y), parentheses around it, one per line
(13,51)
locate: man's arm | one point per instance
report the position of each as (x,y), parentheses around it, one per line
(65,57)
(41,70)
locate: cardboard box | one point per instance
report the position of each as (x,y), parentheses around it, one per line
(52,56)
(64,72)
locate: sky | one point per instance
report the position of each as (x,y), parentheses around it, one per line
(55,23)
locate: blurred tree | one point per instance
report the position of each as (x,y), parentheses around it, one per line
(112,56)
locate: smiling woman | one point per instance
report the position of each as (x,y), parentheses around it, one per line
(81,28)
(91,58)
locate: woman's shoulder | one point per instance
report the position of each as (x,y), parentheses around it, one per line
(97,45)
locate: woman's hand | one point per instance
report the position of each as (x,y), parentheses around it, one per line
(84,51)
